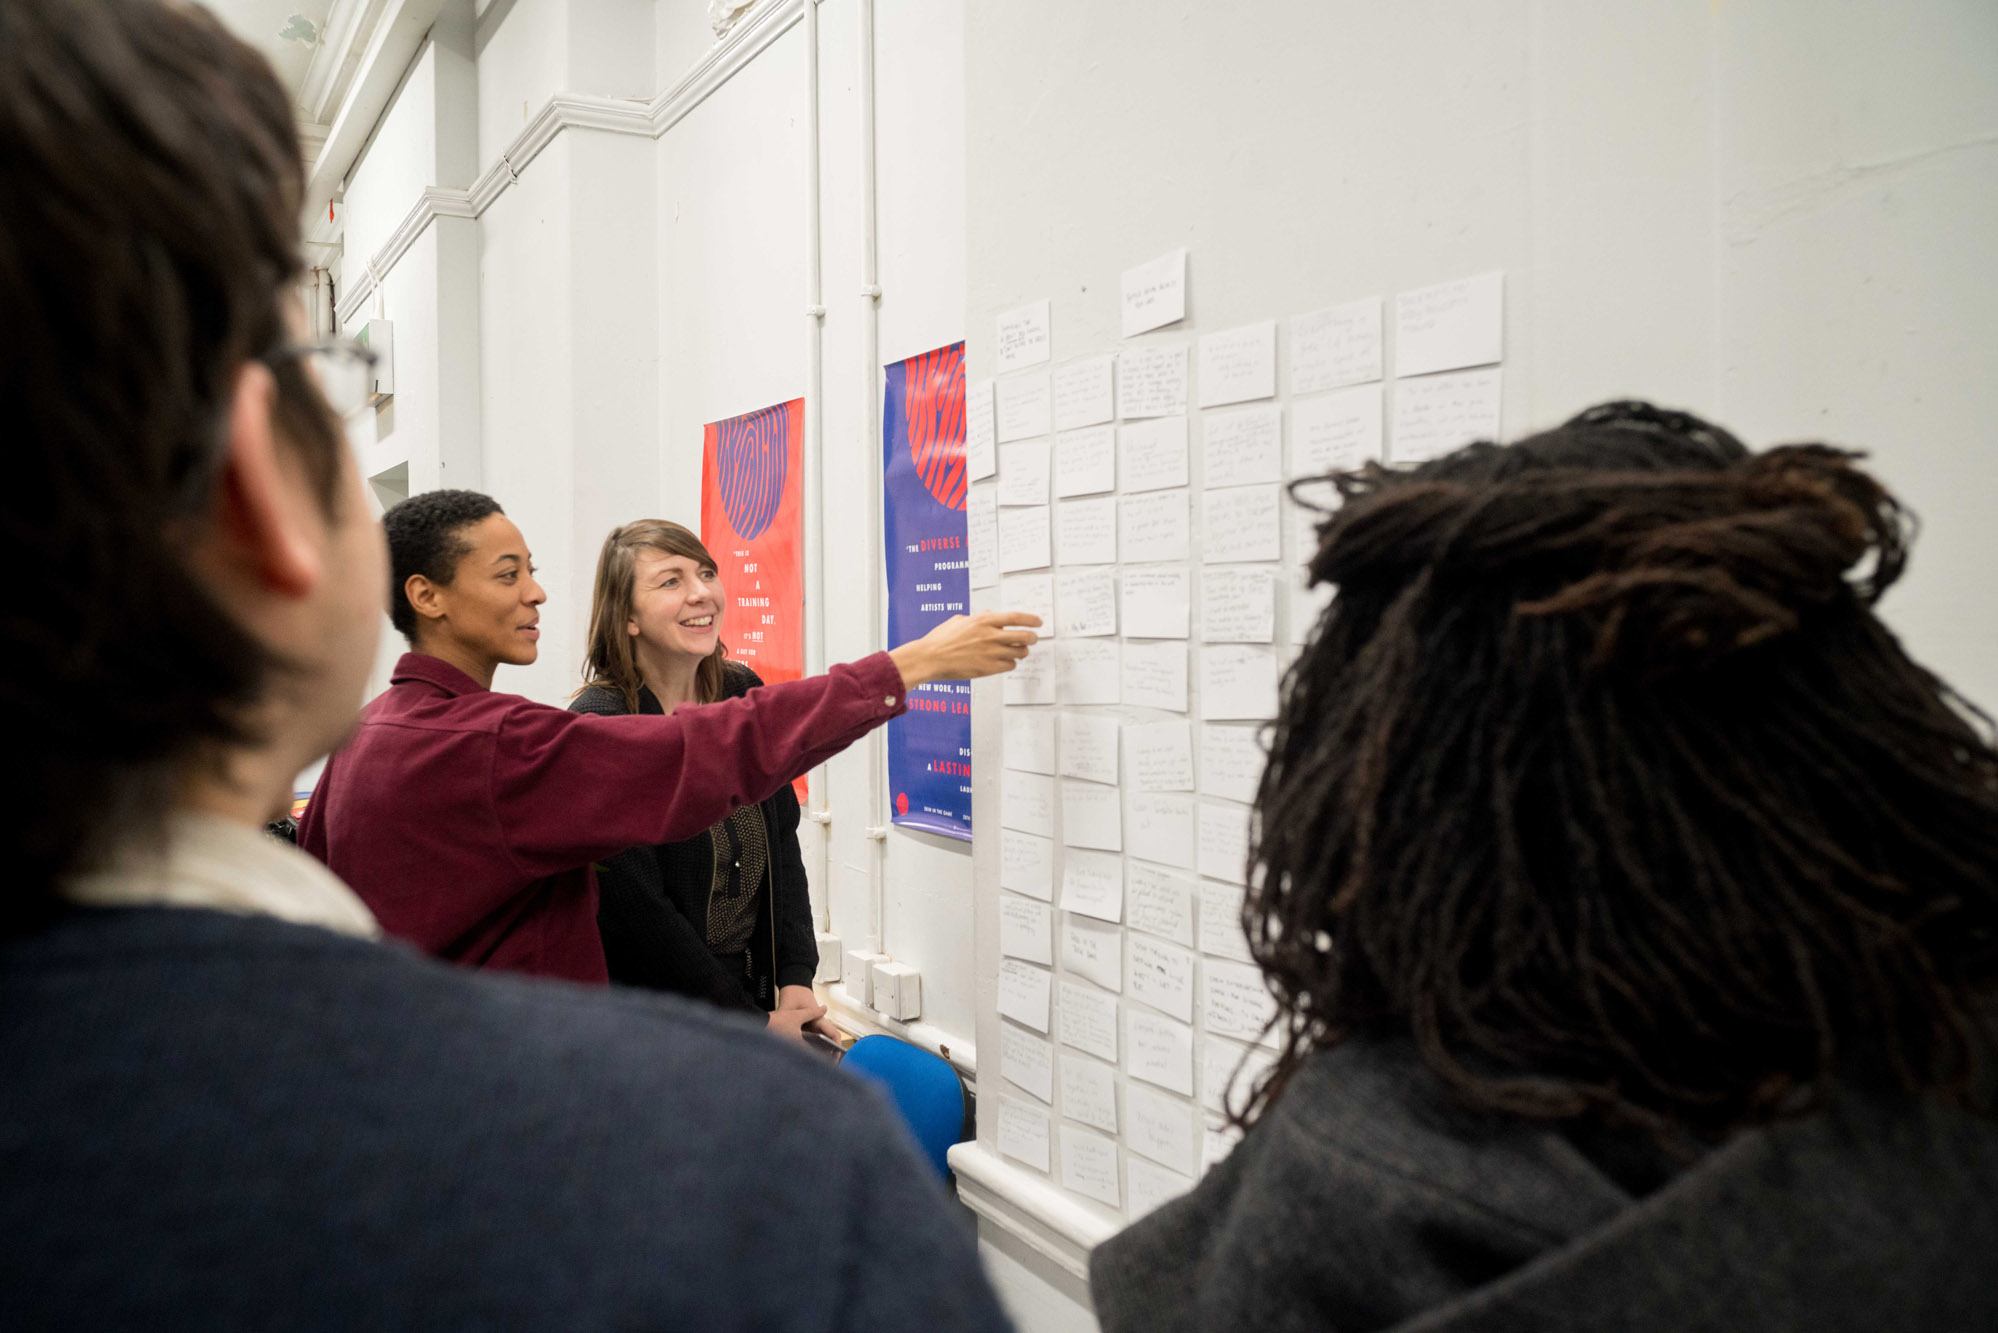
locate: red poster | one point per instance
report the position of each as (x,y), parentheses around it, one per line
(752,488)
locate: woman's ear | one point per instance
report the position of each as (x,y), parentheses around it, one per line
(631,627)
(267,511)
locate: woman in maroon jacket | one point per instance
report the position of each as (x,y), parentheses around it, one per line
(468,820)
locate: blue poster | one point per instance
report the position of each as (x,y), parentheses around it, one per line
(929,580)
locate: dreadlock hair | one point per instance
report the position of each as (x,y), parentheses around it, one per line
(1600,782)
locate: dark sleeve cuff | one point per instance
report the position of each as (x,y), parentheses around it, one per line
(796,974)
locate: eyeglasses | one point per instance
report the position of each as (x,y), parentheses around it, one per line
(343,369)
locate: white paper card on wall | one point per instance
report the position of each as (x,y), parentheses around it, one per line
(1234,1000)
(1151,381)
(1154,676)
(1450,325)
(981,456)
(1224,841)
(1086,1019)
(1023,540)
(1161,975)
(1032,593)
(1161,827)
(1441,413)
(1159,1051)
(1238,682)
(1154,293)
(1026,930)
(1033,678)
(1026,803)
(1160,902)
(1232,760)
(1086,531)
(1241,523)
(1161,1128)
(1023,407)
(1332,348)
(1026,864)
(1221,921)
(1023,1132)
(1336,432)
(1155,601)
(1027,1062)
(1148,1186)
(1161,755)
(1028,738)
(1085,603)
(1238,604)
(1083,391)
(1229,1074)
(1023,993)
(1151,455)
(1085,461)
(1089,1165)
(1089,747)
(1093,951)
(1150,528)
(981,535)
(1091,816)
(1086,671)
(1239,365)
(1022,337)
(1242,448)
(1089,1089)
(1092,884)
(1023,473)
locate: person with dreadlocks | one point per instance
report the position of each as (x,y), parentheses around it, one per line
(1629,898)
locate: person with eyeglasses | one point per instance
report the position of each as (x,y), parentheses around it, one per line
(229,1103)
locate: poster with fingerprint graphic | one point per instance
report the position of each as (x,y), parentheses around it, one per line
(924,483)
(752,484)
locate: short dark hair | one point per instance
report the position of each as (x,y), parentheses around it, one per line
(1602,784)
(150,190)
(423,538)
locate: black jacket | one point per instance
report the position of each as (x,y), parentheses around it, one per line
(653,901)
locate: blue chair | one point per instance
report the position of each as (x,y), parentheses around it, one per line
(923,1087)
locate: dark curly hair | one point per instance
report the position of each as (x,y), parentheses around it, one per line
(423,539)
(1602,783)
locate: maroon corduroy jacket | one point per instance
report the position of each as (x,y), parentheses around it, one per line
(468,820)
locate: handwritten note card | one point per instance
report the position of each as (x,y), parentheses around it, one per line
(1238,604)
(1158,1050)
(1239,365)
(1085,461)
(1154,293)
(1026,803)
(1023,993)
(1221,921)
(1024,540)
(1330,349)
(1160,901)
(1089,1089)
(1092,883)
(1151,381)
(1089,1165)
(1022,337)
(1086,531)
(1086,1019)
(1026,864)
(1150,527)
(1023,1132)
(1085,603)
(1238,682)
(1242,448)
(1155,601)
(1028,738)
(1450,325)
(1091,816)
(1234,1000)
(1154,675)
(1440,413)
(1026,929)
(1161,755)
(1241,523)
(981,524)
(1148,1186)
(1086,671)
(1161,826)
(1161,975)
(1338,432)
(1161,1128)
(1026,1061)
(1093,951)
(1224,841)
(981,458)
(1033,679)
(1229,1074)
(1024,407)
(1023,473)
(1151,455)
(1231,762)
(1089,747)
(1082,392)
(1032,593)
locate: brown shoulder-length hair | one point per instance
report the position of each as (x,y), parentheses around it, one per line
(610,659)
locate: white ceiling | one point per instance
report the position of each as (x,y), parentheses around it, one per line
(288,32)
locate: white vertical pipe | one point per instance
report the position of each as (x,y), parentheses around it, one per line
(870,319)
(819,809)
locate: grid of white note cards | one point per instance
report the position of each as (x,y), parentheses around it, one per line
(1135,499)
